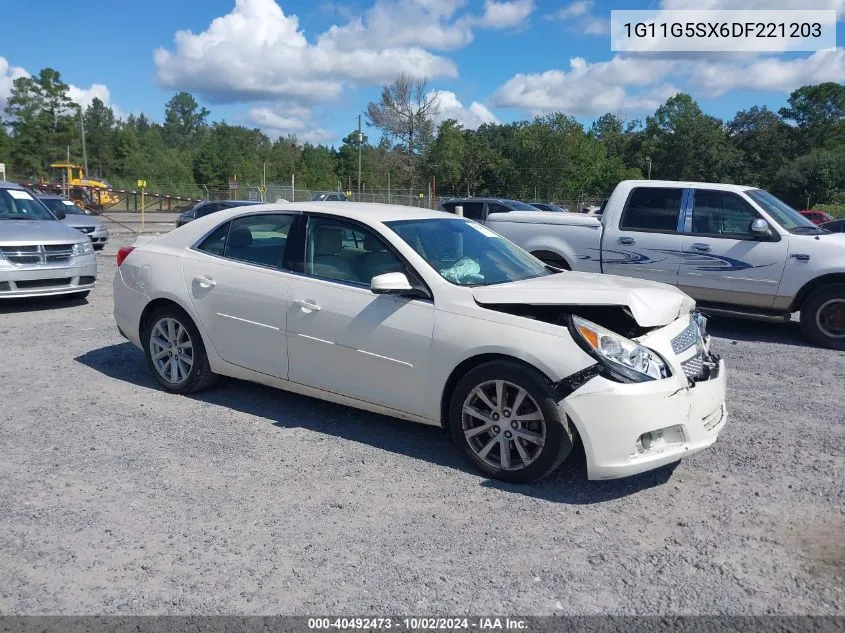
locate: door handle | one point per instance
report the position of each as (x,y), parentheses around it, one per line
(626,240)
(703,248)
(205,282)
(307,305)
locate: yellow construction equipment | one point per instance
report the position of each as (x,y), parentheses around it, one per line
(86,192)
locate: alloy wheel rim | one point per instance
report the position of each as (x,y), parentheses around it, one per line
(503,425)
(172,350)
(830,318)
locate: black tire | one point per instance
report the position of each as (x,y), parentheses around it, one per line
(199,376)
(76,296)
(814,313)
(558,433)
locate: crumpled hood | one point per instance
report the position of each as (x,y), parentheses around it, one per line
(19,232)
(652,304)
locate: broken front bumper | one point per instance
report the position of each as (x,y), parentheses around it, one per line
(629,428)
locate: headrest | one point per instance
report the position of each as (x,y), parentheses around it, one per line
(328,241)
(240,237)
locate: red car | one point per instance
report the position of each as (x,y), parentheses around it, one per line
(815,216)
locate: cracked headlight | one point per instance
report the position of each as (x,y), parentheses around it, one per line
(82,248)
(623,358)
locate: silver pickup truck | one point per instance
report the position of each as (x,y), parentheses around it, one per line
(735,250)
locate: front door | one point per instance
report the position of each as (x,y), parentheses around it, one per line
(722,261)
(647,241)
(344,338)
(240,292)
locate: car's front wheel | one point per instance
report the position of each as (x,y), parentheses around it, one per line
(505,418)
(175,351)
(823,317)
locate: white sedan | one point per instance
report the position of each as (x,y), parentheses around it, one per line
(433,318)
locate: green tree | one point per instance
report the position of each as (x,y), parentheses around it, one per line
(183,119)
(100,136)
(318,168)
(41,117)
(765,142)
(819,113)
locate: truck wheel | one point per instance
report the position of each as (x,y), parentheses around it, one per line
(504,417)
(823,317)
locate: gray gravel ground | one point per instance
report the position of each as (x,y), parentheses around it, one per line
(118,498)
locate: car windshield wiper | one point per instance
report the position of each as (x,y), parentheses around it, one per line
(809,228)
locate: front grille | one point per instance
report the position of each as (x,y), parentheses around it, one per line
(686,339)
(85,229)
(694,367)
(37,253)
(42,283)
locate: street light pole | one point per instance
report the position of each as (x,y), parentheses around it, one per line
(84,152)
(360,142)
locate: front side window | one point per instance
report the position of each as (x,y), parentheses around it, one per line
(467,253)
(652,209)
(781,212)
(343,251)
(495,207)
(721,214)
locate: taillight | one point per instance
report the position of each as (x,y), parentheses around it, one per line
(123,253)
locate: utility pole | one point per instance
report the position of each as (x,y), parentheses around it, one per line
(263,181)
(84,153)
(648,160)
(360,143)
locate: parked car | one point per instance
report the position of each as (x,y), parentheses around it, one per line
(545,206)
(815,216)
(834,226)
(94,227)
(329,197)
(736,250)
(477,208)
(39,255)
(428,317)
(206,207)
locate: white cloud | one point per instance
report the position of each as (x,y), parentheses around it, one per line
(8,74)
(257,52)
(502,15)
(838,5)
(449,107)
(595,26)
(770,74)
(574,10)
(287,120)
(590,89)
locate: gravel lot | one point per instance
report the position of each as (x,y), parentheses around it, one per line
(118,498)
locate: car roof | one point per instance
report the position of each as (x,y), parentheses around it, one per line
(5,184)
(689,183)
(367,212)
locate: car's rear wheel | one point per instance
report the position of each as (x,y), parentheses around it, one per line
(175,351)
(823,317)
(504,417)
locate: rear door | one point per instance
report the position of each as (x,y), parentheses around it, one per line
(239,289)
(722,261)
(646,243)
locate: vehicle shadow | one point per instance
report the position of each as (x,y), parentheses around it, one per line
(570,485)
(32,304)
(757,331)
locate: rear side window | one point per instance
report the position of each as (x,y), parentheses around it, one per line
(209,208)
(259,239)
(450,206)
(474,210)
(495,207)
(721,214)
(652,209)
(215,244)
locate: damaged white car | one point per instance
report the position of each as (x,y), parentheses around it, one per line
(432,318)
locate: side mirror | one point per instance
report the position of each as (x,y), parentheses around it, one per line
(60,215)
(390,283)
(760,227)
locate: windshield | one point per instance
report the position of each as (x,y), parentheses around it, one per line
(466,253)
(59,204)
(16,204)
(781,212)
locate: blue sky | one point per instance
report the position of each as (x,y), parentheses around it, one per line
(309,67)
